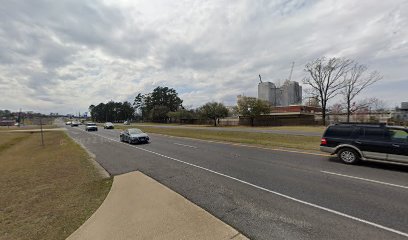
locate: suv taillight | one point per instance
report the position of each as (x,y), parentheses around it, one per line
(324,141)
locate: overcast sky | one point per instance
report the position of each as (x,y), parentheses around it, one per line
(62,56)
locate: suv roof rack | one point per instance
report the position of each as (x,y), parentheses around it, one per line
(363,124)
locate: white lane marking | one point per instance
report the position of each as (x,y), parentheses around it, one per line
(184,145)
(266,190)
(366,179)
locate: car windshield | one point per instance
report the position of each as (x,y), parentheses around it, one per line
(108,123)
(91,124)
(135,131)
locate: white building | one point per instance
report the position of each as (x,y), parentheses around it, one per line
(290,93)
(400,114)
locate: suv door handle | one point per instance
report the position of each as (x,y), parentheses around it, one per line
(395,145)
(358,142)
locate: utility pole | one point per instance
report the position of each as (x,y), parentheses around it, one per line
(19,118)
(42,134)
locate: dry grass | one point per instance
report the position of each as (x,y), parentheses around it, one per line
(26,127)
(262,139)
(317,129)
(46,192)
(170,124)
(137,125)
(8,140)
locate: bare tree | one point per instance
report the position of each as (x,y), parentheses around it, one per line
(335,111)
(369,104)
(366,106)
(337,108)
(378,105)
(361,106)
(326,79)
(355,81)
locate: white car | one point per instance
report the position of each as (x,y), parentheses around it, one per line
(91,127)
(68,123)
(74,124)
(108,125)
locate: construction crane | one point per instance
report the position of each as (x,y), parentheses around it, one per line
(291,71)
(260,78)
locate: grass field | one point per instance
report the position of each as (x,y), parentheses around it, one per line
(317,129)
(46,192)
(26,127)
(261,139)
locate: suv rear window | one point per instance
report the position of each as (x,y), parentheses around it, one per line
(339,131)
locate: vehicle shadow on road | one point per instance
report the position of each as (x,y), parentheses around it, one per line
(377,165)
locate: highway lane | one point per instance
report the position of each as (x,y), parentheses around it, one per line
(257,213)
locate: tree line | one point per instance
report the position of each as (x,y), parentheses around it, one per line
(163,105)
(7,114)
(112,111)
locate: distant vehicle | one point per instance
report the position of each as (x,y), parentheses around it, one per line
(373,142)
(74,124)
(68,123)
(126,123)
(108,125)
(134,135)
(91,127)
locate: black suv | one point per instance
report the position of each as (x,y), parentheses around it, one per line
(375,142)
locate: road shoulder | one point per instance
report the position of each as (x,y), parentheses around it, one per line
(138,207)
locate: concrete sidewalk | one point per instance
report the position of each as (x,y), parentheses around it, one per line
(138,207)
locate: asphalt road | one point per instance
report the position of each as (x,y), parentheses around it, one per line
(267,194)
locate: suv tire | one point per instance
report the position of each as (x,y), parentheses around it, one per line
(348,156)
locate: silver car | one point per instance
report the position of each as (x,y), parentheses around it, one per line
(134,135)
(91,127)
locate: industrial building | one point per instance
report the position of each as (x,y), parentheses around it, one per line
(400,114)
(290,93)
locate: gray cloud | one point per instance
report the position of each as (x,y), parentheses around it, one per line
(52,51)
(187,56)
